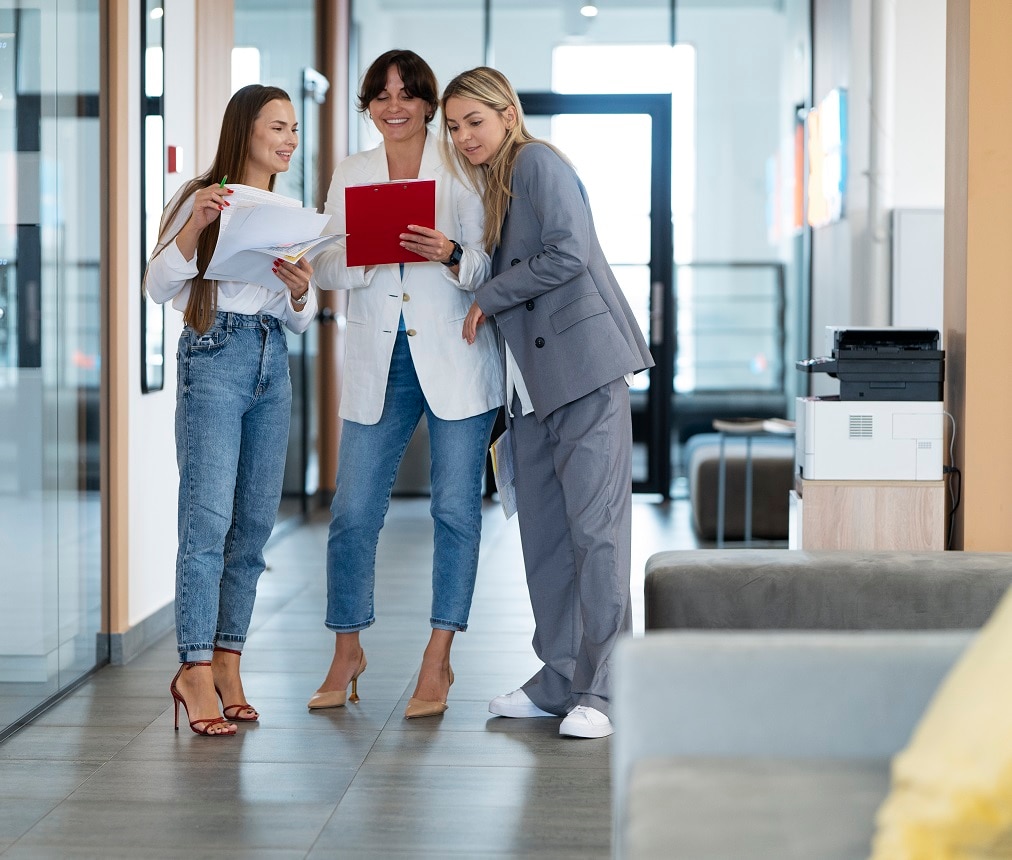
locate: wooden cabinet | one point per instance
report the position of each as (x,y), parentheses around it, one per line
(900,515)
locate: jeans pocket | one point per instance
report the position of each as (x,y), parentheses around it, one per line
(213,339)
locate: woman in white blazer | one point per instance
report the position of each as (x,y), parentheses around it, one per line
(406,357)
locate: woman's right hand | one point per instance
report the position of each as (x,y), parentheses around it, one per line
(475,317)
(208,204)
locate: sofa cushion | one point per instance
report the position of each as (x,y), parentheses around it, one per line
(774,589)
(760,808)
(951,795)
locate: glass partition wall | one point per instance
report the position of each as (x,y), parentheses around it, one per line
(50,346)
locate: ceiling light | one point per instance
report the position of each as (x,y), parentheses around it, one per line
(588,10)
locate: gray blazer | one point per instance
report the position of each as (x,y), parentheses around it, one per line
(553,295)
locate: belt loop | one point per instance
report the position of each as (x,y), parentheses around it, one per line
(229,322)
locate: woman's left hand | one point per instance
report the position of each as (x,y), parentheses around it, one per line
(296,277)
(428,243)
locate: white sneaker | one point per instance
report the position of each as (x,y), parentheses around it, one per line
(516,704)
(585,722)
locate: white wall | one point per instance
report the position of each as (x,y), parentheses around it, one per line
(919,120)
(153,479)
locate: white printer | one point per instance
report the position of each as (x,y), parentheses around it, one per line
(868,440)
(887,423)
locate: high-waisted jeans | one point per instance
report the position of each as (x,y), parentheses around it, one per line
(233,407)
(369,458)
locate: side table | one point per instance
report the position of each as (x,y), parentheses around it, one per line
(748,429)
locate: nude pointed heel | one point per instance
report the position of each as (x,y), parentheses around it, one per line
(337,698)
(237,715)
(200,727)
(420,708)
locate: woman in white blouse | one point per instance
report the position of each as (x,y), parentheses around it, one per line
(233,404)
(405,358)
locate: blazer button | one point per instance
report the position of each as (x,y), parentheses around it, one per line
(406,297)
(411,332)
(514,261)
(530,305)
(539,342)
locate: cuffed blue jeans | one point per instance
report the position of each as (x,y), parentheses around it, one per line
(233,407)
(369,458)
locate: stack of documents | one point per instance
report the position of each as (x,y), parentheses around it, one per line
(259,227)
(502,468)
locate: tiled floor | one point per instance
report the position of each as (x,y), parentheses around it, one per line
(103,775)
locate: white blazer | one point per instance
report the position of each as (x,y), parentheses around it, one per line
(459,380)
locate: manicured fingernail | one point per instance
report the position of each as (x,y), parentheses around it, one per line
(275,271)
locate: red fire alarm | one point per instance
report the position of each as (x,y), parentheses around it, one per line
(175,159)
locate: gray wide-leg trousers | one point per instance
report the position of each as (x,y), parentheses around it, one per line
(574,501)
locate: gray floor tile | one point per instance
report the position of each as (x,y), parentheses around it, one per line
(51,780)
(252,743)
(23,851)
(86,709)
(541,746)
(68,743)
(510,811)
(18,816)
(229,783)
(194,824)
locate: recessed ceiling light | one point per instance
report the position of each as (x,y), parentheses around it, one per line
(588,10)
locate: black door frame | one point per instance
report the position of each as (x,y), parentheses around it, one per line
(657,432)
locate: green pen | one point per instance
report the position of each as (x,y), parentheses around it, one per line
(222,183)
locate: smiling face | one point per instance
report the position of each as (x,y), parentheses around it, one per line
(272,143)
(398,115)
(477,130)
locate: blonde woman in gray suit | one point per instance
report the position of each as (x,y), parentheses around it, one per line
(570,345)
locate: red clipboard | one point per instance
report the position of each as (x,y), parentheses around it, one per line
(377,214)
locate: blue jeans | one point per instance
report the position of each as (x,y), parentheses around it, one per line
(233,407)
(370,456)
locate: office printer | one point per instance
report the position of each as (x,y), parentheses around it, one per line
(887,422)
(882,363)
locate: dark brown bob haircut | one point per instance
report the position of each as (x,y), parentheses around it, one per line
(419,79)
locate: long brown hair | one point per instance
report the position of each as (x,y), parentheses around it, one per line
(230,160)
(491,88)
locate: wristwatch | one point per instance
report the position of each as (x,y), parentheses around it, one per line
(301,302)
(455,255)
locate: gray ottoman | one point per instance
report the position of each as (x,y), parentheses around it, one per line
(772,481)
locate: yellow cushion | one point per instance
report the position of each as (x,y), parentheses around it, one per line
(951,793)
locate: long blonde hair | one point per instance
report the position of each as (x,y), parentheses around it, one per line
(491,88)
(230,160)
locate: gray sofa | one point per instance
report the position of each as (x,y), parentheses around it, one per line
(757,716)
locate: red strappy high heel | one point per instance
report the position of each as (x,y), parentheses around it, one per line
(236,708)
(200,727)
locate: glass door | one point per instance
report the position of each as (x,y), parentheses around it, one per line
(50,352)
(621,146)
